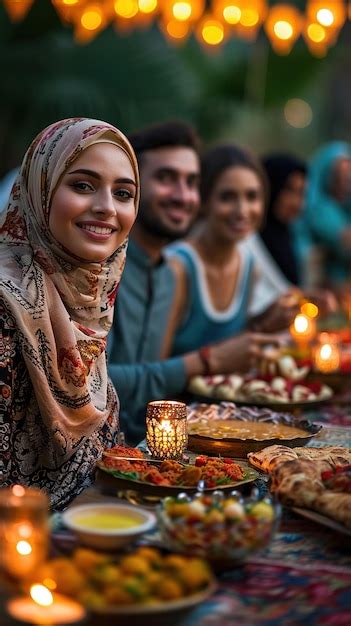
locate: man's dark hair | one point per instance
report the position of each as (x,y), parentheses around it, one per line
(173,133)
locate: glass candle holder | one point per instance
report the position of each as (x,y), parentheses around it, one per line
(303,329)
(24,532)
(326,354)
(166,429)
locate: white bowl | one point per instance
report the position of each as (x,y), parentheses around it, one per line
(104,538)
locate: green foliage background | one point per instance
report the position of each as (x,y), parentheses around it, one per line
(237,93)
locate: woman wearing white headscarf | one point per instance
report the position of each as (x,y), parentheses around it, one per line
(63,243)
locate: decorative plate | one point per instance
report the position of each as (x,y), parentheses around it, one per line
(170,613)
(112,481)
(319,518)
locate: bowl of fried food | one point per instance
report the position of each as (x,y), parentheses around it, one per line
(133,587)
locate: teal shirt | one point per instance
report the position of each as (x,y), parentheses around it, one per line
(203,324)
(142,310)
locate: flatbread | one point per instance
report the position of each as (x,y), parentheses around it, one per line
(299,483)
(268,458)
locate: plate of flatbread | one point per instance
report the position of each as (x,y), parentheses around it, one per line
(311,479)
(318,518)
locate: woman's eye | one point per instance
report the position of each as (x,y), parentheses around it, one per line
(252,195)
(124,194)
(80,186)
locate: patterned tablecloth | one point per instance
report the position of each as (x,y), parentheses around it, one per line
(303,578)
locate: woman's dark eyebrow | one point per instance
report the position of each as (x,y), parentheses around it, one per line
(98,177)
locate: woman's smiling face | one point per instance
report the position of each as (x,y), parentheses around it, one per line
(235,204)
(93,207)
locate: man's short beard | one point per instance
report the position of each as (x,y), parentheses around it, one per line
(155,227)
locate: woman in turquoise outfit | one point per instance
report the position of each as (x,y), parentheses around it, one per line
(328,209)
(215,273)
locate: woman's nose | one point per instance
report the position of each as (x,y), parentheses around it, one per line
(104,202)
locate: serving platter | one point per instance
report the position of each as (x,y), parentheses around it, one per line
(111,481)
(276,393)
(323,520)
(293,407)
(234,446)
(171,612)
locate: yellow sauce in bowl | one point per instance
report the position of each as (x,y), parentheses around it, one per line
(106,521)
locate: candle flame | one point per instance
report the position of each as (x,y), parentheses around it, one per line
(23,547)
(41,595)
(166,425)
(301,323)
(326,351)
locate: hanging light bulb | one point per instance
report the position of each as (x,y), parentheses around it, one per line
(91,21)
(17,9)
(330,15)
(68,10)
(181,10)
(147,12)
(327,13)
(283,26)
(210,31)
(175,30)
(253,13)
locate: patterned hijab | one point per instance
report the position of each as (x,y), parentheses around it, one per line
(62,307)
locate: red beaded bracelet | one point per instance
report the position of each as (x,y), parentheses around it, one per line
(204,354)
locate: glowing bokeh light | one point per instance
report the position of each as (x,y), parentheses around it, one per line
(283,30)
(23,547)
(249,17)
(41,595)
(147,6)
(310,309)
(182,11)
(298,113)
(316,32)
(212,32)
(325,17)
(126,8)
(232,14)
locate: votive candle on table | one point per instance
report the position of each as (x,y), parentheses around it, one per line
(303,329)
(24,530)
(166,429)
(44,607)
(326,354)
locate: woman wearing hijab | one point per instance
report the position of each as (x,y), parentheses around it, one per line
(328,209)
(63,242)
(277,247)
(286,179)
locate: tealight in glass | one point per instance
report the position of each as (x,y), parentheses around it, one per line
(166,429)
(24,530)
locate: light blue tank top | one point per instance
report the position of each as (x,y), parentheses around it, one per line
(203,324)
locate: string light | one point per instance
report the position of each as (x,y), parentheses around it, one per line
(283,22)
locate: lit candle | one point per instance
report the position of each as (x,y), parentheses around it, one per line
(303,329)
(43,607)
(326,354)
(23,530)
(166,429)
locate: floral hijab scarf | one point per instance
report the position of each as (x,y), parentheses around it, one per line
(62,307)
